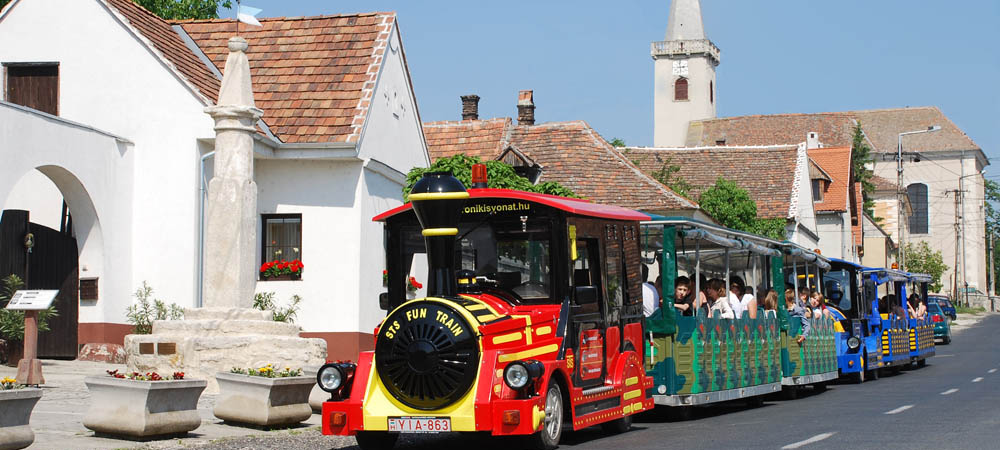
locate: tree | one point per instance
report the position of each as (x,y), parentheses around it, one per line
(184,9)
(3,3)
(861,155)
(920,258)
(667,175)
(733,207)
(617,142)
(499,176)
(992,223)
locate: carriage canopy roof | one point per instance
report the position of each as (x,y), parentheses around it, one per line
(570,205)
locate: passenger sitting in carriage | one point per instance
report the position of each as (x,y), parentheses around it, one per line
(796,311)
(683,296)
(770,301)
(740,300)
(650,296)
(718,300)
(918,310)
(818,305)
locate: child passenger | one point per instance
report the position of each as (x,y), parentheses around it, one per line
(770,302)
(682,296)
(796,311)
(717,299)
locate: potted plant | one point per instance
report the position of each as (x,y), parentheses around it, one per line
(137,405)
(411,287)
(16,403)
(281,270)
(264,397)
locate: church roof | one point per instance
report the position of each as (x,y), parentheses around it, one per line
(313,77)
(570,153)
(881,127)
(767,173)
(684,23)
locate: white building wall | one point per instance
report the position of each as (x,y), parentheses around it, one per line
(804,212)
(110,80)
(36,193)
(835,235)
(379,194)
(393,133)
(671,117)
(324,192)
(940,171)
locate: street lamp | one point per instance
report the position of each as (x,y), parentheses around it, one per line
(899,187)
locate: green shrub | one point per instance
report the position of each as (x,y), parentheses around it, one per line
(144,313)
(12,321)
(264,301)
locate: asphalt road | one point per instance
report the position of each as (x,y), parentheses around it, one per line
(953,402)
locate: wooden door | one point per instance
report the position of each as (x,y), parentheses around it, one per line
(52,264)
(35,86)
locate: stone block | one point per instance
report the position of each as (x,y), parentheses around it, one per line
(108,353)
(141,409)
(263,401)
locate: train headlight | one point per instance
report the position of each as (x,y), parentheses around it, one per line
(330,378)
(518,374)
(853,343)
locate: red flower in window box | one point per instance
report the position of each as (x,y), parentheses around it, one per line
(281,270)
(412,284)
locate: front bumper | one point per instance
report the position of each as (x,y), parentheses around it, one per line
(344,418)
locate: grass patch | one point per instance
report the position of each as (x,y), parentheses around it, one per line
(969,310)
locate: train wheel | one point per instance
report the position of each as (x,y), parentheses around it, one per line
(548,438)
(819,387)
(858,377)
(681,413)
(922,362)
(873,374)
(755,401)
(790,392)
(372,440)
(618,426)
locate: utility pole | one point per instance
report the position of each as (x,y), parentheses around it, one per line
(900,190)
(958,237)
(965,269)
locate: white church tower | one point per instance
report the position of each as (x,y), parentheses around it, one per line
(684,66)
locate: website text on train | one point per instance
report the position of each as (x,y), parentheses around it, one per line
(533,317)
(735,337)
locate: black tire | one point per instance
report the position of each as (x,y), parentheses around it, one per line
(819,387)
(873,374)
(922,362)
(946,340)
(548,438)
(617,426)
(681,413)
(858,377)
(755,401)
(376,440)
(790,392)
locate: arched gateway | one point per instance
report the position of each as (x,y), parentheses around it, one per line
(94,178)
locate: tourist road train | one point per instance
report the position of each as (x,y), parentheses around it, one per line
(533,319)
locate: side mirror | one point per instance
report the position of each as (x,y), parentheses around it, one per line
(383,301)
(585,295)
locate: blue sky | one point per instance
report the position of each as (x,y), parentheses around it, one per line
(590,60)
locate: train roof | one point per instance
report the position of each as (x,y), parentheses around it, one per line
(571,205)
(848,263)
(887,274)
(720,235)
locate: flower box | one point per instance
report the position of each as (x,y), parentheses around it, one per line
(282,277)
(263,401)
(16,406)
(142,409)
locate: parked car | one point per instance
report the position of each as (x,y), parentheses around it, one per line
(942,325)
(945,303)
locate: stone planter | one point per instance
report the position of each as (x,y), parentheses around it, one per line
(262,401)
(16,406)
(142,409)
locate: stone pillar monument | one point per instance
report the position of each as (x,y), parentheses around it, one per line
(231,229)
(227,332)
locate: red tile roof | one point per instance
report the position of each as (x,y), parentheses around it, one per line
(881,126)
(481,138)
(312,76)
(170,47)
(570,153)
(834,129)
(883,184)
(767,173)
(835,161)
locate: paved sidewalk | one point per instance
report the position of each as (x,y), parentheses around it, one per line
(57,418)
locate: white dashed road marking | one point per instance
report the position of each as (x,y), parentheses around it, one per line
(991,371)
(899,410)
(816,438)
(977,379)
(949,391)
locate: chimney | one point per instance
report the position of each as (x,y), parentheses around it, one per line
(470,107)
(525,108)
(812,140)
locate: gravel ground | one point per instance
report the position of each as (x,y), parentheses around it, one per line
(310,438)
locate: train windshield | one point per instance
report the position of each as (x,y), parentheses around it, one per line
(837,283)
(513,256)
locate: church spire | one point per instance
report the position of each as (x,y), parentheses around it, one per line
(685,21)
